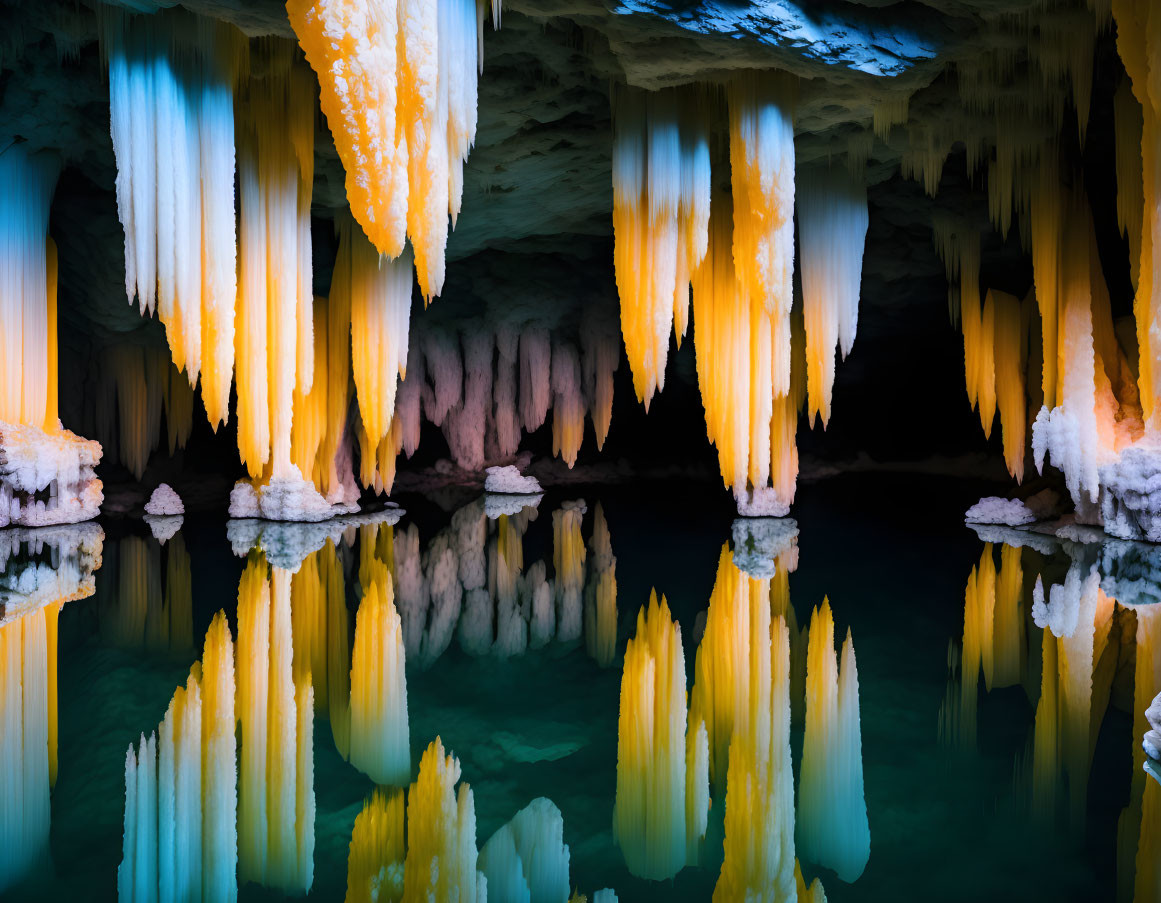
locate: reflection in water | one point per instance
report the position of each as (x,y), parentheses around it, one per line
(568,560)
(379,730)
(1087,636)
(375,863)
(441,833)
(28,733)
(135,612)
(833,829)
(601,594)
(276,721)
(738,738)
(662,799)
(181,790)
(40,569)
(527,858)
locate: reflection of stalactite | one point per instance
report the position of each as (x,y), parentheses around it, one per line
(832,812)
(568,562)
(276,718)
(759,858)
(379,727)
(601,594)
(441,832)
(527,858)
(649,814)
(137,614)
(375,861)
(28,740)
(180,840)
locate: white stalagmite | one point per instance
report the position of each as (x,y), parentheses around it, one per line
(832,229)
(832,813)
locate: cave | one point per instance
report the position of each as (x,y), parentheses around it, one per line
(532,452)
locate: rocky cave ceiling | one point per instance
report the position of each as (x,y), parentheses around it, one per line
(534,240)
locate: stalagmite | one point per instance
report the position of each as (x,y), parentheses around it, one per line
(832,228)
(375,861)
(379,728)
(832,813)
(441,833)
(649,813)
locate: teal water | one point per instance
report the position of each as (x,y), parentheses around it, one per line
(948,821)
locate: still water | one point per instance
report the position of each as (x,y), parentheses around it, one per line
(996,738)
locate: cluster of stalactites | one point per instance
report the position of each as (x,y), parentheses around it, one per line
(173,75)
(739,348)
(28,271)
(486,389)
(399,83)
(135,385)
(661,209)
(832,229)
(274,340)
(181,790)
(662,798)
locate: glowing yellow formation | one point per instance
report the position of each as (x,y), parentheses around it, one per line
(380,736)
(441,832)
(649,814)
(276,720)
(601,594)
(375,861)
(28,740)
(398,84)
(28,342)
(661,201)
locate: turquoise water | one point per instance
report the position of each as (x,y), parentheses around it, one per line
(948,821)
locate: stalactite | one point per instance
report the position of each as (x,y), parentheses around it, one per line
(568,410)
(832,228)
(661,199)
(174,74)
(27,182)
